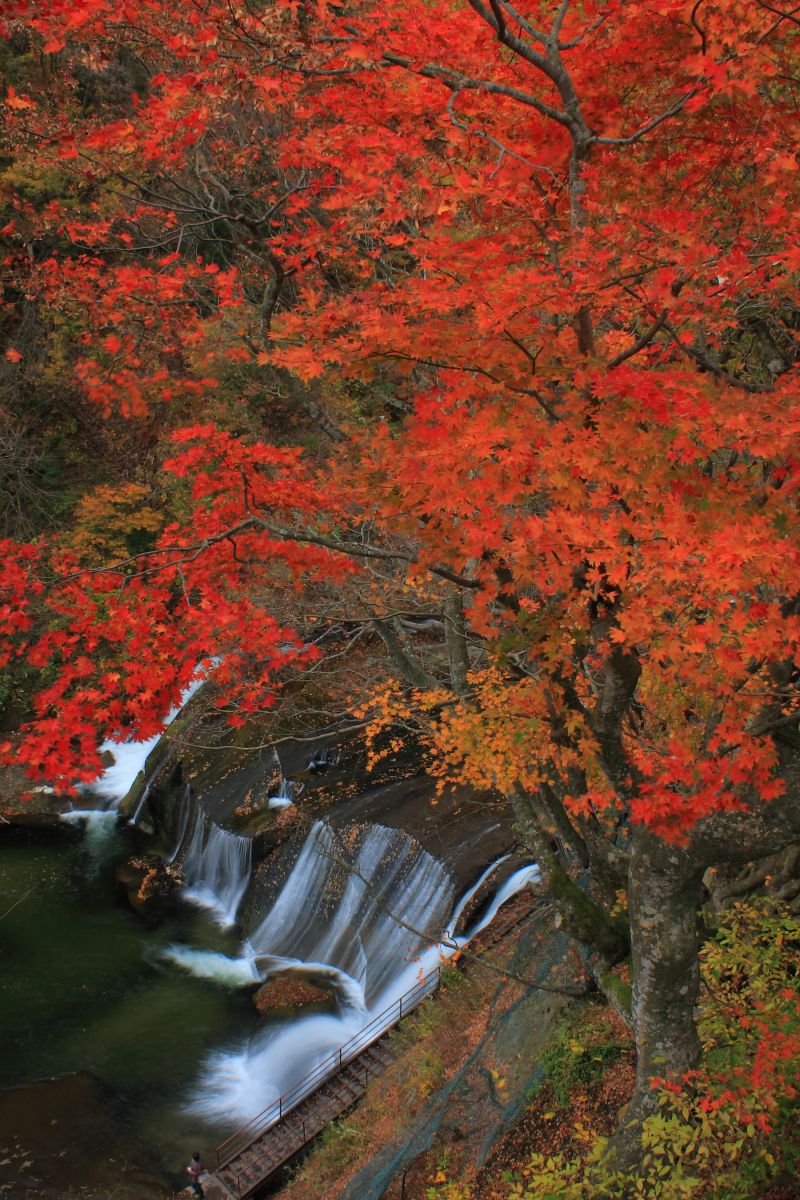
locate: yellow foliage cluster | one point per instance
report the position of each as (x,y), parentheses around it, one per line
(112,522)
(497,737)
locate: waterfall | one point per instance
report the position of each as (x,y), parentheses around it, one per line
(288,791)
(111,788)
(338,905)
(333,920)
(515,883)
(342,916)
(216,868)
(184,816)
(145,796)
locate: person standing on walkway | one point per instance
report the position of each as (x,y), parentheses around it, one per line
(195,1169)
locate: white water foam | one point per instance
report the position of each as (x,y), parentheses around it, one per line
(344,922)
(284,797)
(99,825)
(208,964)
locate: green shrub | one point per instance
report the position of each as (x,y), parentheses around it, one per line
(569,1063)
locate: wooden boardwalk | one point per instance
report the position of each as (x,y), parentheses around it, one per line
(254,1153)
(254,1165)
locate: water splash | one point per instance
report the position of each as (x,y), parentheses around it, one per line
(209,964)
(287,793)
(99,827)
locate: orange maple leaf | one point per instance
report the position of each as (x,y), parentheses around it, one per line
(17,102)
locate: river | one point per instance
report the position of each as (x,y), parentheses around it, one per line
(85,988)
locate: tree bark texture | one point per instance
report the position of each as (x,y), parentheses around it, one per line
(664,897)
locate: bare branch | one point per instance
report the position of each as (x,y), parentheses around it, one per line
(495,19)
(559,21)
(699,28)
(708,363)
(640,344)
(445,366)
(779,12)
(676,108)
(24,896)
(504,150)
(576,41)
(348,548)
(458,82)
(523,22)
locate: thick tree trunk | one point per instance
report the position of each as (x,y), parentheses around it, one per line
(663,896)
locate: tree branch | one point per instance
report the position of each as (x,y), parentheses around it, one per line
(708,364)
(640,344)
(457,82)
(676,108)
(436,938)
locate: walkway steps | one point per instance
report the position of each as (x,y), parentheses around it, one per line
(276,1146)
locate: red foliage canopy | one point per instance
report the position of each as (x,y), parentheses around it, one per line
(567,232)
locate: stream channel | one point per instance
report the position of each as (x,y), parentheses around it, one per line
(163,1014)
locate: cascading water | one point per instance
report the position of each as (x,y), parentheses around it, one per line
(287,793)
(184,817)
(216,868)
(145,796)
(361,914)
(334,911)
(331,921)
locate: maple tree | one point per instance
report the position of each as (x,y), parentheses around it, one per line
(554,243)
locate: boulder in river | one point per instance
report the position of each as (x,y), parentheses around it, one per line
(289,991)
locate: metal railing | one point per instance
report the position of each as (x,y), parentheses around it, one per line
(238,1142)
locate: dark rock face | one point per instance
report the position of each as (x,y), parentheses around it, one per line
(26,805)
(234,780)
(41,826)
(47,1128)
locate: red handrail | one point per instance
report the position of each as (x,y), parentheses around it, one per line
(249,1133)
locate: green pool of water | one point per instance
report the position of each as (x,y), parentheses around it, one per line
(82,988)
